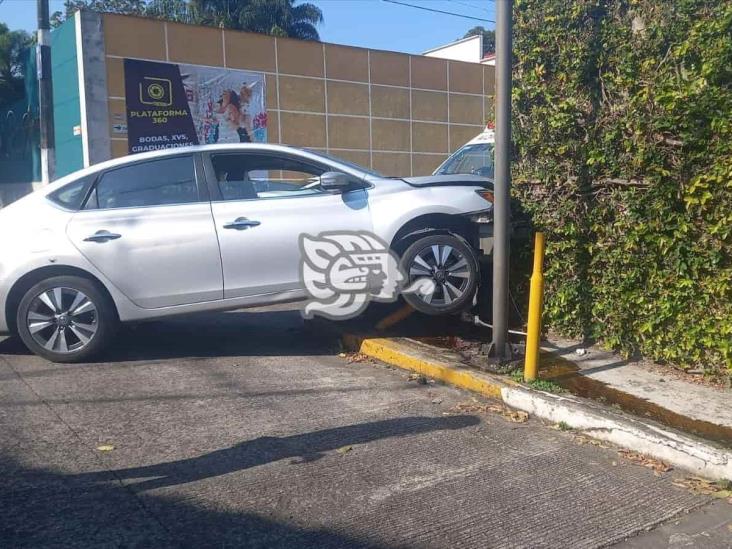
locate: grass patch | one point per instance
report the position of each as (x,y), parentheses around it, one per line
(538,384)
(564,426)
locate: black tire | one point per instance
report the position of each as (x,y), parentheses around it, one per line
(466,282)
(99,320)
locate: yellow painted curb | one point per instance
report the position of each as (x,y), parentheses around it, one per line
(395,354)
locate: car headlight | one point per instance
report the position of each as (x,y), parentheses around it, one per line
(482,218)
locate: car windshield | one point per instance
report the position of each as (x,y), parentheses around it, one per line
(346,162)
(474,159)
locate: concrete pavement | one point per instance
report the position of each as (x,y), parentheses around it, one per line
(247,429)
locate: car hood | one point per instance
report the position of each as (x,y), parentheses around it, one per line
(458,180)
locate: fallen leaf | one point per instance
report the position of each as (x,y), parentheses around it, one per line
(105,447)
(658,466)
(344,449)
(419,378)
(516,416)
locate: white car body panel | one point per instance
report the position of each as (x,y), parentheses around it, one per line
(275,242)
(140,263)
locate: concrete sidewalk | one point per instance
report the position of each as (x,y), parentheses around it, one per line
(658,392)
(249,430)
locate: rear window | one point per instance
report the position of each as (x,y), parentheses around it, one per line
(162,182)
(71,196)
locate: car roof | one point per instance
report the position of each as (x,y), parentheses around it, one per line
(188,149)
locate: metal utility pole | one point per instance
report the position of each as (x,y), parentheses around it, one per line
(500,348)
(45,93)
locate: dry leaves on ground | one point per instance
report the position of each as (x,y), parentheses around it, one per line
(718,489)
(355,357)
(515,416)
(658,466)
(419,378)
(105,447)
(582,439)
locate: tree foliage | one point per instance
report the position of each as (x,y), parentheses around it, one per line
(275,17)
(623,128)
(12,43)
(489,38)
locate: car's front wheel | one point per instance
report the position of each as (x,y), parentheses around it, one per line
(450,264)
(66,319)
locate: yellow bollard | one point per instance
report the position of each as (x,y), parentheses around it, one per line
(536,302)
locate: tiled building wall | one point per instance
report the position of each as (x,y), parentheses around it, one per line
(399,114)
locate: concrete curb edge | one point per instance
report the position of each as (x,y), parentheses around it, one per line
(587,417)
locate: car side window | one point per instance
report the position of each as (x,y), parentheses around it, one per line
(71,196)
(251,176)
(161,182)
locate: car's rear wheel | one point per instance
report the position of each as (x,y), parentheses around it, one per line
(450,264)
(66,319)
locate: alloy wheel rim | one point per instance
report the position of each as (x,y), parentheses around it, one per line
(62,320)
(447,267)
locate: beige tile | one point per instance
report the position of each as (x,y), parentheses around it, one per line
(389,68)
(119,148)
(489,109)
(427,105)
(270,83)
(300,57)
(345,98)
(429,73)
(302,94)
(303,130)
(133,37)
(362,158)
(273,130)
(425,164)
(390,135)
(347,132)
(393,164)
(346,63)
(195,44)
(249,50)
(459,135)
(429,137)
(389,102)
(466,109)
(115,77)
(489,80)
(466,77)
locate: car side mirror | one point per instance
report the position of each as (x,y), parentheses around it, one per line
(335,181)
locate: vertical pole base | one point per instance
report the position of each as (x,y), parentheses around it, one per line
(491,351)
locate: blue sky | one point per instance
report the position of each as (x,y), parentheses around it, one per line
(367,23)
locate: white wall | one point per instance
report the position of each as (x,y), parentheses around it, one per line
(468,49)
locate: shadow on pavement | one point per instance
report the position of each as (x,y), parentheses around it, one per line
(208,335)
(260,333)
(307,447)
(40,507)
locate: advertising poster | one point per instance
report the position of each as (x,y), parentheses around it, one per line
(174,105)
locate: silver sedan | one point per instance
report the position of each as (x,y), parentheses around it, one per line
(214,228)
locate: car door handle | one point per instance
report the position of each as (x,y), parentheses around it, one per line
(102,236)
(241,223)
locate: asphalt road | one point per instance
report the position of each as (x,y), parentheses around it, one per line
(249,430)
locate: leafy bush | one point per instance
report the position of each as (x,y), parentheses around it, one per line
(623,131)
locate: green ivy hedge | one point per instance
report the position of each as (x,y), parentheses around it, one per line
(623,133)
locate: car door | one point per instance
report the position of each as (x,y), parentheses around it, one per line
(148,228)
(262,203)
